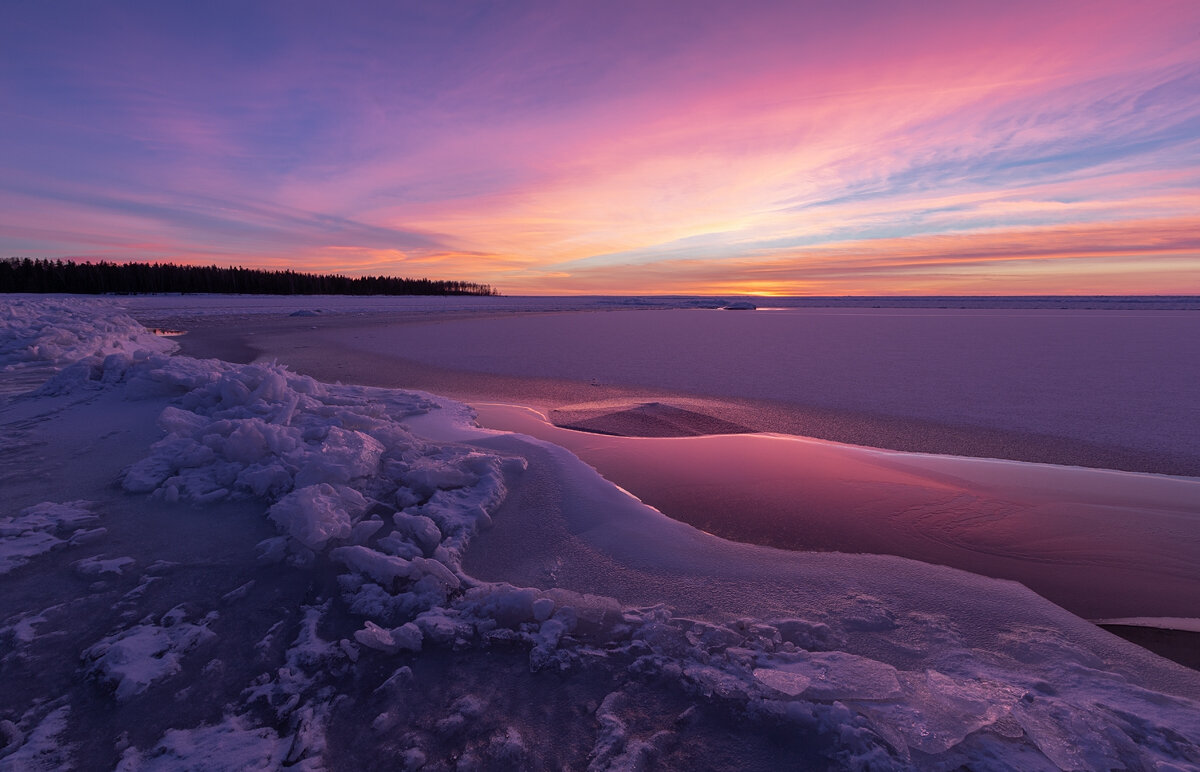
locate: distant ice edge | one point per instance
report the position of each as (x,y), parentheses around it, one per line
(379,519)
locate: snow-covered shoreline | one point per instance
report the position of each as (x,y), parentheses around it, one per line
(354,634)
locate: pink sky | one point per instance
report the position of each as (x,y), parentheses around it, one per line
(786,148)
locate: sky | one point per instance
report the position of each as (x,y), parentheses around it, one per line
(802,148)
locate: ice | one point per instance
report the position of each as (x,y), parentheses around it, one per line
(442,595)
(42,748)
(375,637)
(318,513)
(787,682)
(1022,369)
(87,536)
(833,676)
(48,516)
(19,549)
(420,529)
(96,567)
(62,331)
(383,569)
(542,608)
(131,660)
(231,744)
(1188,624)
(23,627)
(814,636)
(43,528)
(406,637)
(934,712)
(616,750)
(345,455)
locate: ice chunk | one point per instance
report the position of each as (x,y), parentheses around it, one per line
(433,473)
(318,513)
(172,420)
(542,608)
(407,636)
(437,570)
(832,676)
(814,636)
(438,627)
(85,536)
(504,604)
(48,516)
(384,569)
(784,681)
(343,456)
(938,711)
(616,748)
(419,528)
(19,549)
(364,530)
(238,593)
(375,637)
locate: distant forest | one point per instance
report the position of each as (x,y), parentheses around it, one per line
(28,275)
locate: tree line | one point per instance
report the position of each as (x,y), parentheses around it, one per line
(30,275)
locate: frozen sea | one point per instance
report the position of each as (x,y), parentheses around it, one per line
(285,556)
(1106,384)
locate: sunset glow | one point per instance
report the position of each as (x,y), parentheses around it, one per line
(618,148)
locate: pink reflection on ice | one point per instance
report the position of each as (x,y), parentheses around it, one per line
(1101,543)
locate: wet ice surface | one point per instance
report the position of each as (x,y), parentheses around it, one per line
(257,570)
(1102,543)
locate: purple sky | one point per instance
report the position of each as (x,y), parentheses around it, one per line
(853,148)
